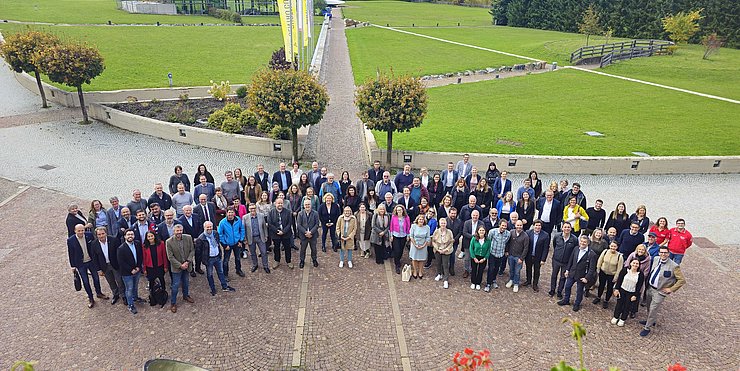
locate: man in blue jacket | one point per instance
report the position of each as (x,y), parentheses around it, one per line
(231,234)
(79,249)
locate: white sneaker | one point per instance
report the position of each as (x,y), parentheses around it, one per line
(472,286)
(349,263)
(614,321)
(495,285)
(508,284)
(439,277)
(487,288)
(341,264)
(477,287)
(516,288)
(461,255)
(446,285)
(620,323)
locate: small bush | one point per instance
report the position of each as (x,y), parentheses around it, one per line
(264,126)
(225,14)
(154,101)
(231,125)
(220,91)
(181,114)
(236,18)
(216,119)
(233,109)
(248,118)
(241,92)
(184,97)
(280,132)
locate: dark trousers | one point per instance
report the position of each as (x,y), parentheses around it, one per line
(398,245)
(548,227)
(493,266)
(114,281)
(624,304)
(430,255)
(558,269)
(453,257)
(580,288)
(152,274)
(606,281)
(83,270)
(477,269)
(503,267)
(532,267)
(285,241)
(199,256)
(308,242)
(379,253)
(332,233)
(237,251)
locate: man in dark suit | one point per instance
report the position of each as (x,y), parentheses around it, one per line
(581,270)
(205,210)
(469,229)
(409,204)
(167,227)
(282,177)
(192,226)
(280,225)
(141,226)
(125,222)
(449,177)
(563,244)
(492,221)
(467,210)
(313,174)
(79,249)
(104,253)
(262,177)
(455,225)
(549,211)
(307,225)
(130,258)
(375,173)
(539,244)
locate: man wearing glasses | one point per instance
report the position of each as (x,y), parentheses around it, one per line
(679,240)
(664,279)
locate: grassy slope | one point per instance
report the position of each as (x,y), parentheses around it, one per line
(548,114)
(141,57)
(401,13)
(371,48)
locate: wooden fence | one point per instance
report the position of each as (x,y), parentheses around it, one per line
(608,53)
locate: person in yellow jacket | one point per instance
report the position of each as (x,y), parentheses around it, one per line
(574,214)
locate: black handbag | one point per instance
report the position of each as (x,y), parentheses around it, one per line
(77,281)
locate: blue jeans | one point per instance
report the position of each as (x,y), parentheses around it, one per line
(83,270)
(215,262)
(177,278)
(132,288)
(580,286)
(676,258)
(237,258)
(341,255)
(515,268)
(494,264)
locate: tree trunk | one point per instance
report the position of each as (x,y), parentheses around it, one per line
(388,149)
(587,36)
(294,138)
(41,89)
(82,105)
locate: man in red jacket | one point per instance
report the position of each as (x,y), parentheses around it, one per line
(679,240)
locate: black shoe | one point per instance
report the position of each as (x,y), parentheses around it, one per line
(632,315)
(606,305)
(562,303)
(551,293)
(334,248)
(596,300)
(267,270)
(200,271)
(254,269)
(315,263)
(560,295)
(398,270)
(452,273)
(114,300)
(576,308)
(213,292)
(228,288)
(192,274)
(132,309)
(526,283)
(240,273)
(642,303)
(587,294)
(295,247)
(323,248)
(535,288)
(139,300)
(643,322)
(428,265)
(301,265)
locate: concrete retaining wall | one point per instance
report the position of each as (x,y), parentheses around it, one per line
(147,7)
(567,164)
(195,136)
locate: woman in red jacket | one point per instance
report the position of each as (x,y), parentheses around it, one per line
(155,260)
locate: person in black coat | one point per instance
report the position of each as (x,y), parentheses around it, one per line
(130,263)
(328,214)
(74,217)
(81,260)
(581,270)
(193,226)
(107,261)
(539,244)
(454,224)
(554,216)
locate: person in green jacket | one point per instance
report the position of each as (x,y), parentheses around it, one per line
(480,248)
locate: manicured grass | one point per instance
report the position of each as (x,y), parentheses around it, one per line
(547,114)
(372,48)
(401,13)
(86,11)
(720,75)
(141,57)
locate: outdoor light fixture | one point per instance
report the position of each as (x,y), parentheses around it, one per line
(717,163)
(277,147)
(182,133)
(512,162)
(406,158)
(635,164)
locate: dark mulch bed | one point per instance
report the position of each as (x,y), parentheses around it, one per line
(201,108)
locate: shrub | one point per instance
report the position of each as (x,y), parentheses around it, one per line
(220,91)
(233,109)
(264,126)
(183,97)
(154,101)
(278,60)
(241,92)
(280,132)
(181,114)
(231,125)
(248,118)
(225,14)
(236,18)
(216,119)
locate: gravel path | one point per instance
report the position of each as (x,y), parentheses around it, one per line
(15,98)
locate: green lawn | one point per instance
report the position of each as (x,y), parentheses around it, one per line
(372,48)
(401,13)
(141,57)
(547,114)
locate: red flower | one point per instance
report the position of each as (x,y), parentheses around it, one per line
(676,367)
(468,351)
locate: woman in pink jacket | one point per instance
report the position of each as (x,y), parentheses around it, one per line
(399,229)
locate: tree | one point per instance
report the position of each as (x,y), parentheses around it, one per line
(279,62)
(681,26)
(20,51)
(711,43)
(72,64)
(391,104)
(288,98)
(589,24)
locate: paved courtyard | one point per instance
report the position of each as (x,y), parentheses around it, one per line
(325,317)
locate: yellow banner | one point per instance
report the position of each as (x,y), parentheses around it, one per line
(307,19)
(287,24)
(294,26)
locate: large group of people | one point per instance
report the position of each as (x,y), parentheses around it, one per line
(432,219)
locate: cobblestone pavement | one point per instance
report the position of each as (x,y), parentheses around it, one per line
(15,98)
